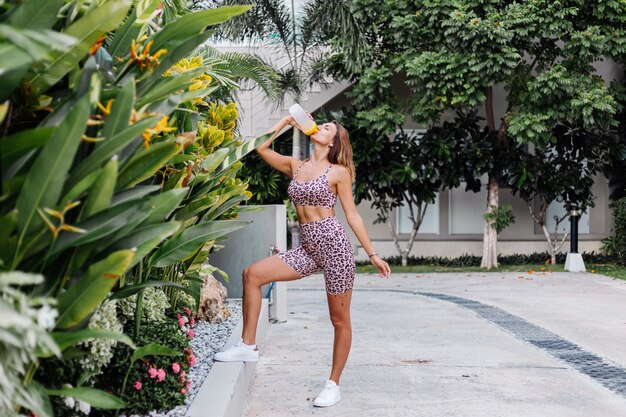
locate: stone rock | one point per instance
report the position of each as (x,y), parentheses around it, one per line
(213,305)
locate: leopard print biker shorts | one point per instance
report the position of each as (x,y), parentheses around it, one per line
(325,246)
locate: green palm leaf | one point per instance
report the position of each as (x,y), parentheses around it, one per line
(83,297)
(87,30)
(185,244)
(44,181)
(35,14)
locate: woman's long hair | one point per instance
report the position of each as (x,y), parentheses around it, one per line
(341,151)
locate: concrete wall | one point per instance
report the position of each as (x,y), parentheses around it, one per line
(250,244)
(523,236)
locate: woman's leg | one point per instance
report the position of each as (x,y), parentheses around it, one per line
(255,276)
(339,309)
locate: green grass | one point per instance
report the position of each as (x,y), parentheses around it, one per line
(610,270)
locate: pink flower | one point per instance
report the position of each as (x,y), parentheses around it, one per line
(178,315)
(152,372)
(192,359)
(187,311)
(188,384)
(192,321)
(160,375)
(183,390)
(183,374)
(137,385)
(175,367)
(181,322)
(190,333)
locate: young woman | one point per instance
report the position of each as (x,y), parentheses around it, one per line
(328,173)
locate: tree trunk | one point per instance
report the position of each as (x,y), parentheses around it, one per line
(404,253)
(490,236)
(551,246)
(394,236)
(491,123)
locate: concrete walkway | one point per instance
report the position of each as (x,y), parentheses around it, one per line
(492,344)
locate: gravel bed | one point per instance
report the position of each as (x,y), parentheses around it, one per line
(209,338)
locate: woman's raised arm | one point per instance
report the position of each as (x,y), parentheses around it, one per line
(283,163)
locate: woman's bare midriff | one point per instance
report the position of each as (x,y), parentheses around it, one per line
(308,214)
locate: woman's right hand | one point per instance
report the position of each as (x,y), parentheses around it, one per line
(290,120)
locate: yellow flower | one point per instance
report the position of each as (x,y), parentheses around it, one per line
(97,45)
(106,110)
(143,58)
(200,82)
(135,117)
(90,139)
(160,127)
(61,216)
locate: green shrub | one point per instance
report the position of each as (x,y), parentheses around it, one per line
(470,260)
(619,216)
(144,393)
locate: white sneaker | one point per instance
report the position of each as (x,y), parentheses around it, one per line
(238,352)
(330,395)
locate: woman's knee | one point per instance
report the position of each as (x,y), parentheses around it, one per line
(340,321)
(249,276)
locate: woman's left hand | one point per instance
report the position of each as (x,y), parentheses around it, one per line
(383,267)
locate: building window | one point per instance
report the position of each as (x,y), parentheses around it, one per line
(430,224)
(466,209)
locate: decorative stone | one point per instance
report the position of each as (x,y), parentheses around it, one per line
(213,306)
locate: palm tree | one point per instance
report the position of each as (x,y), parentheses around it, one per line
(231,69)
(300,36)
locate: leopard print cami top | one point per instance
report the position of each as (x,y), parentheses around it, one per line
(315,193)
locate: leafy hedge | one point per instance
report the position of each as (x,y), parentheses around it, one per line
(516,259)
(619,216)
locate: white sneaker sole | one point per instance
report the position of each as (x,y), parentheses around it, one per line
(217,357)
(326,405)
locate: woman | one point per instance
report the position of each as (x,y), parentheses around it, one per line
(328,173)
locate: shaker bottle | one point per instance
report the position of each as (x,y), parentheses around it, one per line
(308,126)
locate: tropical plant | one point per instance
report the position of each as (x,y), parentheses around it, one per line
(450,54)
(619,219)
(118,171)
(23,338)
(617,177)
(267,184)
(422,165)
(562,170)
(298,37)
(154,377)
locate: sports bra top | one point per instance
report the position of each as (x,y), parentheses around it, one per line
(315,193)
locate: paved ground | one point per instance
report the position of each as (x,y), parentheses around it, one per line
(496,344)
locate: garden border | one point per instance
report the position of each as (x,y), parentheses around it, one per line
(224,390)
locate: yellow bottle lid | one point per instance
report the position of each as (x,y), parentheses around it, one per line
(312,130)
